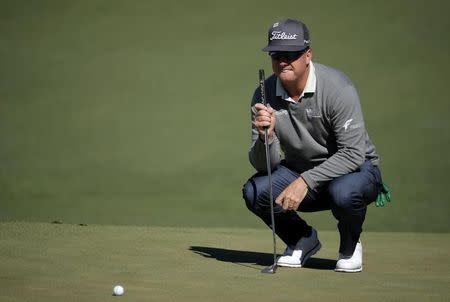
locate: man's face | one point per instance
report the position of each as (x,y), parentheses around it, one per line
(290,66)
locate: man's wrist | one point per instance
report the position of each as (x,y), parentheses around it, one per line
(306,184)
(308,181)
(262,137)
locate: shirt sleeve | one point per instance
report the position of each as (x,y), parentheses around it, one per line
(348,127)
(257,152)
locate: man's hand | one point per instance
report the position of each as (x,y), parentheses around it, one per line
(293,195)
(264,118)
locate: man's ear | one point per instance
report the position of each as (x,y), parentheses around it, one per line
(308,56)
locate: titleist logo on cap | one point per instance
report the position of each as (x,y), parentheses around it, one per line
(287,35)
(278,35)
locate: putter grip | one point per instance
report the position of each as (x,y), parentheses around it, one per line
(262,88)
(262,79)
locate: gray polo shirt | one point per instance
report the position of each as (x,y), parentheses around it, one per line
(322,136)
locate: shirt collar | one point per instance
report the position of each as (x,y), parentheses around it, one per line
(310,86)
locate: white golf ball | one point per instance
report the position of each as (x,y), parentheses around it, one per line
(118,290)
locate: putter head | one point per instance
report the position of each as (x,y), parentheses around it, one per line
(270,269)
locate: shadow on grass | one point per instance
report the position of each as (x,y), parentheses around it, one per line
(256,258)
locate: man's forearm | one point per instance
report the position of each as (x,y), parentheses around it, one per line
(342,162)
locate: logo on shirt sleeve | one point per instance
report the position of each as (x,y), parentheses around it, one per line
(348,125)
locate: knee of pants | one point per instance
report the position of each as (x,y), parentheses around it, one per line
(252,197)
(344,198)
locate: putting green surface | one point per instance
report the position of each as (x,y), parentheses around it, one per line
(60,262)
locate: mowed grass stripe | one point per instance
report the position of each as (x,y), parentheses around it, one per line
(61,262)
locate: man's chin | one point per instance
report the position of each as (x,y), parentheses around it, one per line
(287,76)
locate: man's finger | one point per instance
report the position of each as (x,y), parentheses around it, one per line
(264,115)
(286,203)
(279,199)
(260,106)
(262,125)
(263,118)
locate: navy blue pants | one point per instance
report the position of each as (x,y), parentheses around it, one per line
(347,197)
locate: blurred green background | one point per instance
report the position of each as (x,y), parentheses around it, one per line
(137,112)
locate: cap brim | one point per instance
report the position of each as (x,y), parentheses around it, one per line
(271,48)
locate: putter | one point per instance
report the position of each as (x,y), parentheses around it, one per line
(272,268)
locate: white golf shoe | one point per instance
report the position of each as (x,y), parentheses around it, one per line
(351,264)
(305,248)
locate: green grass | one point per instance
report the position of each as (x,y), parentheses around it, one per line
(60,262)
(136,112)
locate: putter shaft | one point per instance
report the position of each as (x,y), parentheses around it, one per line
(271,269)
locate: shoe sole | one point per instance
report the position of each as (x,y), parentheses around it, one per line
(308,255)
(344,270)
